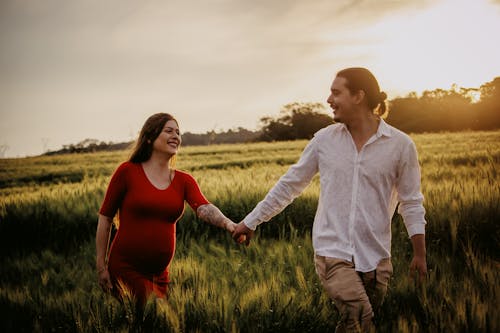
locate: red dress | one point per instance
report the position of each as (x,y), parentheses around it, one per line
(145,242)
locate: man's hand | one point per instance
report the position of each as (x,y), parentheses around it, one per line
(418,263)
(242,234)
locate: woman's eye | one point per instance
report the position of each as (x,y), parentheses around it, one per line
(171,131)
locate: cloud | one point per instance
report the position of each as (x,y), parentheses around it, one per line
(224,62)
(129,40)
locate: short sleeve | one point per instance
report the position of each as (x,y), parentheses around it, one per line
(193,194)
(115,192)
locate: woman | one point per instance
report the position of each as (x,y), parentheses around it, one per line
(149,196)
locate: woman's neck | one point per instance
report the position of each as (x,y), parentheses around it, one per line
(158,162)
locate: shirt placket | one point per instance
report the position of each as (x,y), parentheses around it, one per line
(354,197)
(355,190)
(358,156)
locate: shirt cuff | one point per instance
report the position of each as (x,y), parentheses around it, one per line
(250,223)
(416,229)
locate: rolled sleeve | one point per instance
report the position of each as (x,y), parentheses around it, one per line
(409,194)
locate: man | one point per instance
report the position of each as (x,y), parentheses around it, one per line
(366,167)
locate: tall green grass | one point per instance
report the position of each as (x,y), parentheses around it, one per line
(47,229)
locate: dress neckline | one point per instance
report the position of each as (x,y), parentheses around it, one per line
(172,178)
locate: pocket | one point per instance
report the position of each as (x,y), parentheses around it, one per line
(384,271)
(335,265)
(319,266)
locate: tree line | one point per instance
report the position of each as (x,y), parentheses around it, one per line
(438,110)
(452,110)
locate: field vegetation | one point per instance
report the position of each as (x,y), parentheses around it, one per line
(48,218)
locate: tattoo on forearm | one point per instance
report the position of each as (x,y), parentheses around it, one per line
(211,214)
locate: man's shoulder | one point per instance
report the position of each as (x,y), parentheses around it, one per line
(329,130)
(398,134)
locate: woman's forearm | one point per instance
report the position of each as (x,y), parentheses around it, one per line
(212,215)
(101,240)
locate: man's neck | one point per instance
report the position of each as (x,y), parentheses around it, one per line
(366,124)
(363,128)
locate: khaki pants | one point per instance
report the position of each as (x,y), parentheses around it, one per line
(356,295)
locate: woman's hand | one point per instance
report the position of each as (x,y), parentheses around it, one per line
(104,279)
(101,243)
(230,226)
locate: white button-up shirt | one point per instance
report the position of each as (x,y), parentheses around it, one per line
(359,193)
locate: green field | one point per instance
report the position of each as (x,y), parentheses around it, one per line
(48,217)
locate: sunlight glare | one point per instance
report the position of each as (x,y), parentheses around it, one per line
(451,42)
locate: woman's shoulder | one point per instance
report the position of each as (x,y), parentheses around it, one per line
(127,166)
(184,176)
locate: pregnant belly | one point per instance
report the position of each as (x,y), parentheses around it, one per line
(149,248)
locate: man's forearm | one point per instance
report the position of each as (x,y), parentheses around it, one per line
(212,215)
(419,263)
(418,243)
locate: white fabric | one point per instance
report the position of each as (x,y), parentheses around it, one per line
(359,193)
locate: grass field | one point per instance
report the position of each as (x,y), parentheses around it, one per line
(48,217)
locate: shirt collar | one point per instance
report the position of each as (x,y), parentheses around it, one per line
(383,129)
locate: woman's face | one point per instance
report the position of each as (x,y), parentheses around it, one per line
(169,139)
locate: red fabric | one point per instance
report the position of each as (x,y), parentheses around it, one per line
(145,242)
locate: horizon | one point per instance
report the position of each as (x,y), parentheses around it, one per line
(91,69)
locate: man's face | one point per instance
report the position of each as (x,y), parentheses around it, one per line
(340,100)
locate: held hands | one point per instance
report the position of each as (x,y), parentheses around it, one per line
(239,231)
(211,214)
(242,234)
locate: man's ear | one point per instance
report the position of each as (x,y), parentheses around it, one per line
(359,96)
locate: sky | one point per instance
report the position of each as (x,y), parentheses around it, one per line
(72,70)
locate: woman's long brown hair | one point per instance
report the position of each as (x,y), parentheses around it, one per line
(150,130)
